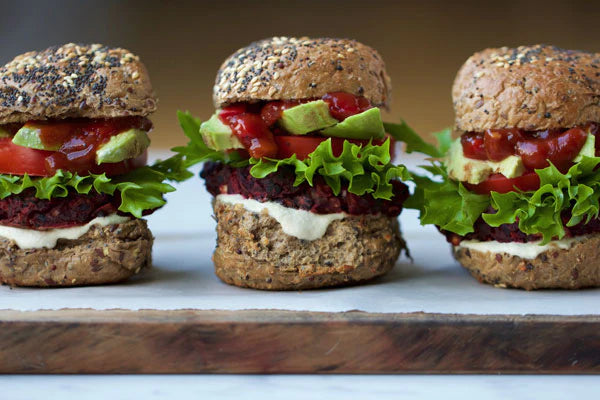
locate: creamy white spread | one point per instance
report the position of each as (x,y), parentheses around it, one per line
(524,250)
(298,223)
(34,239)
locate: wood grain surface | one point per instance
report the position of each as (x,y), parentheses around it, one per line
(188,341)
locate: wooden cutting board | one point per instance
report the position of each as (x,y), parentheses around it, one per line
(191,341)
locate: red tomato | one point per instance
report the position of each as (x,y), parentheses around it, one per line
(302,146)
(19,160)
(501,184)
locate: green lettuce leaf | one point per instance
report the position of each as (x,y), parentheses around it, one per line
(366,169)
(539,212)
(446,203)
(404,133)
(141,189)
(449,205)
(196,151)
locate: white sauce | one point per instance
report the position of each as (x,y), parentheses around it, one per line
(298,223)
(34,239)
(524,250)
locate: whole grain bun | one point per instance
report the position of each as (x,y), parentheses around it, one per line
(529,87)
(282,68)
(103,255)
(253,251)
(573,268)
(90,81)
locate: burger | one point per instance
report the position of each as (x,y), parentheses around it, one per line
(300,165)
(74,183)
(517,194)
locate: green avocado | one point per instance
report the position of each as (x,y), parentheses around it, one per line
(125,145)
(219,136)
(29,136)
(307,117)
(474,171)
(588,149)
(4,133)
(366,125)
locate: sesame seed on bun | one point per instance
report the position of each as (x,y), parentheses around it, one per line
(74,80)
(282,68)
(529,87)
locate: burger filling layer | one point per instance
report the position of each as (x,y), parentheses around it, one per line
(306,162)
(59,177)
(279,187)
(520,188)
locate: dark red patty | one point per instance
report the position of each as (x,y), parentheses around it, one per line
(279,187)
(510,232)
(26,211)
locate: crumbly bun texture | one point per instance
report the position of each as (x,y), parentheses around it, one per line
(103,255)
(253,251)
(282,68)
(529,87)
(574,268)
(75,81)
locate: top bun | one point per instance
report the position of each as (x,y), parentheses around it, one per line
(90,81)
(529,87)
(282,68)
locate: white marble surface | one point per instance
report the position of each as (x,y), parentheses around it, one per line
(300,387)
(183,277)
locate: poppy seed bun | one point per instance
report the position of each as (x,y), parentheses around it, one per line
(529,87)
(282,68)
(573,268)
(90,81)
(253,251)
(107,254)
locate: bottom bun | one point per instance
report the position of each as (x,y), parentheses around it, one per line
(103,255)
(253,251)
(573,268)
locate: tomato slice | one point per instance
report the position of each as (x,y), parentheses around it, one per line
(302,146)
(501,184)
(19,160)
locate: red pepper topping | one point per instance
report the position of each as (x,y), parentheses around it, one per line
(343,105)
(254,123)
(534,148)
(473,147)
(252,131)
(79,139)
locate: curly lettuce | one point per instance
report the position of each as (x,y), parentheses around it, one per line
(366,169)
(140,190)
(449,205)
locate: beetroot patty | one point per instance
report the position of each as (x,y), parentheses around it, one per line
(279,187)
(510,232)
(26,211)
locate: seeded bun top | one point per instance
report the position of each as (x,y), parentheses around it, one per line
(282,68)
(90,81)
(529,87)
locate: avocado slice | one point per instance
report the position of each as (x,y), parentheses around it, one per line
(29,136)
(307,117)
(474,171)
(588,149)
(219,136)
(125,145)
(4,133)
(366,125)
